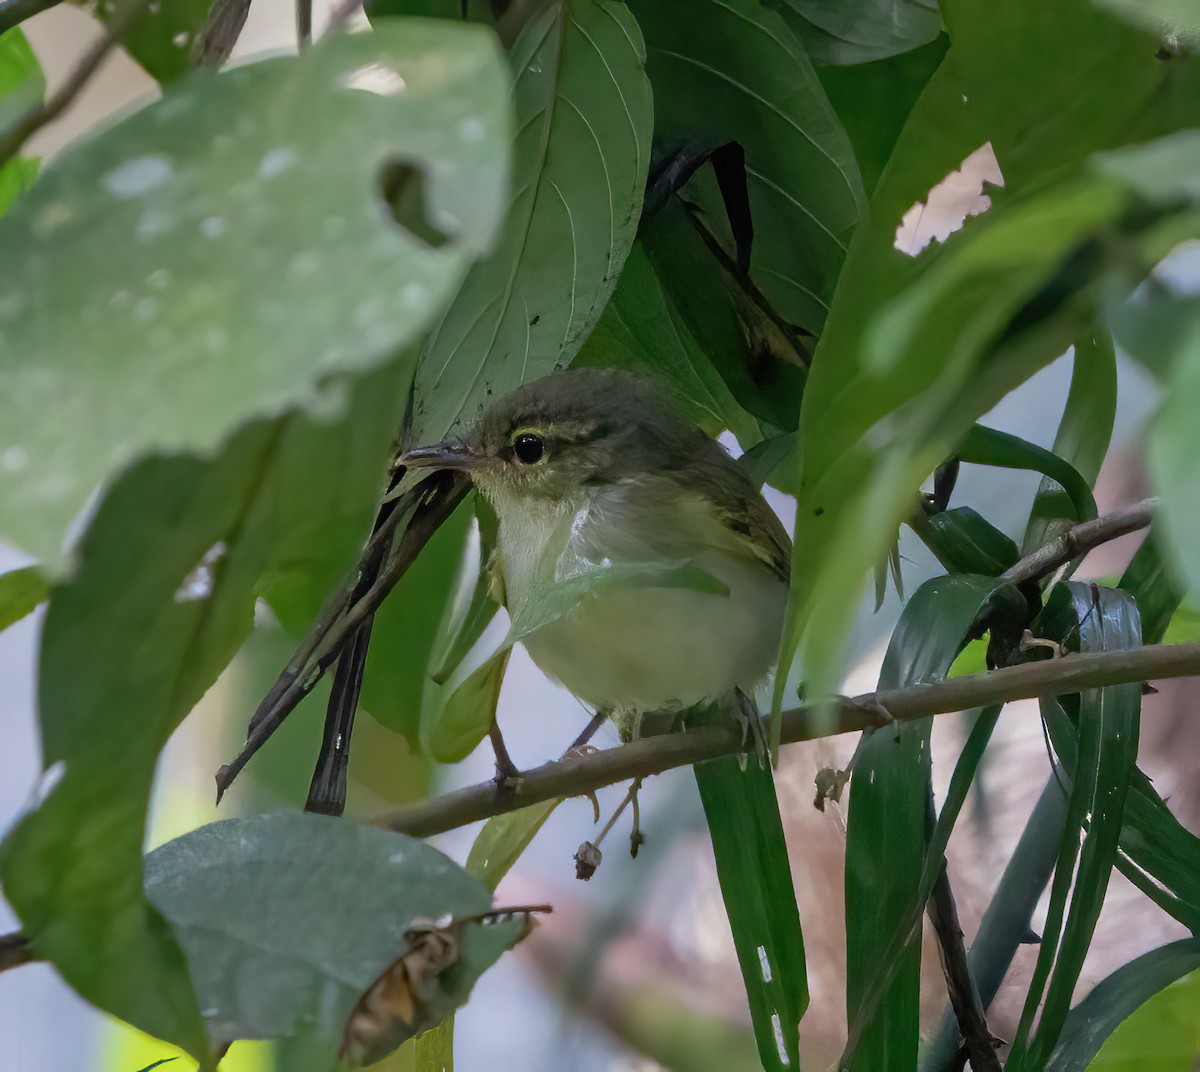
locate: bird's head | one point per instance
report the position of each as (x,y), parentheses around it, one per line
(552,438)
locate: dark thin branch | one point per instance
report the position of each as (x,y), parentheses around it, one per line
(578,775)
(1079,540)
(304,23)
(978,1042)
(15,12)
(15,950)
(220,32)
(14,139)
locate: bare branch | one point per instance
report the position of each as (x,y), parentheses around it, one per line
(577,775)
(29,124)
(15,951)
(220,32)
(1080,539)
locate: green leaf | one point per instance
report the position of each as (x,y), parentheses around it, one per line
(583,118)
(886,832)
(502,840)
(1175,20)
(890,394)
(862,30)
(160,38)
(874,101)
(1138,1010)
(988,446)
(1098,750)
(22,86)
(739,801)
(271,966)
(1082,438)
(21,590)
(456,716)
(164,593)
(644,331)
(965,542)
(218,309)
(1174,440)
(733,70)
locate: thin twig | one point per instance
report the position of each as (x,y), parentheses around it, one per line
(14,139)
(581,775)
(15,950)
(1080,539)
(303,23)
(214,43)
(578,775)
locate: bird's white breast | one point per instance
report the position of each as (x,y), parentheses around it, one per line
(635,648)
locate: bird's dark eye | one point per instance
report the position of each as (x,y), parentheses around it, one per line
(529,448)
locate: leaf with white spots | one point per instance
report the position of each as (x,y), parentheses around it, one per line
(223,252)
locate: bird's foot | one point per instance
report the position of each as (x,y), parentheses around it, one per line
(753,727)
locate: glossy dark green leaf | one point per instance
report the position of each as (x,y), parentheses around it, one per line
(966,542)
(20,591)
(583,117)
(1082,438)
(644,331)
(874,101)
(756,885)
(160,38)
(886,833)
(858,31)
(735,71)
(1149,579)
(169,569)
(988,446)
(234,200)
(1123,994)
(270,966)
(1098,750)
(761,363)
(890,395)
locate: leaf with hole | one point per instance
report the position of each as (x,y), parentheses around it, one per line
(160,38)
(169,569)
(358,898)
(234,199)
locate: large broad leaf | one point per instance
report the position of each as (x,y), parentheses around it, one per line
(1097,745)
(836,32)
(740,805)
(168,572)
(736,72)
(1159,1033)
(287,919)
(887,393)
(234,200)
(886,834)
(583,119)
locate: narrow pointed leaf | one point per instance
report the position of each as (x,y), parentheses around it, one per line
(756,885)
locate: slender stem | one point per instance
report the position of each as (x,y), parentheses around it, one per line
(33,121)
(578,775)
(220,32)
(15,951)
(304,23)
(1080,539)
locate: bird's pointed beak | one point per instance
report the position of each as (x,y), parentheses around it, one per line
(452,454)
